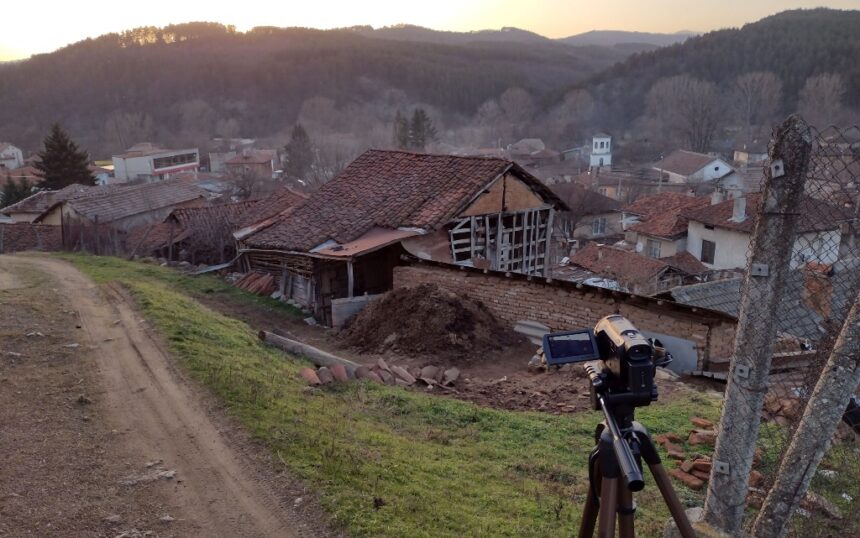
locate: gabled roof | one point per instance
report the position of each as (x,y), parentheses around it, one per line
(390,189)
(662,214)
(815,215)
(112,203)
(211,217)
(42,200)
(684,163)
(584,201)
(685,262)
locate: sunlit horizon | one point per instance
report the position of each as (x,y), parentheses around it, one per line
(73,22)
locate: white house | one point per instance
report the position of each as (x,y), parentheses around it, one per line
(601,150)
(10,156)
(147,162)
(682,166)
(719,235)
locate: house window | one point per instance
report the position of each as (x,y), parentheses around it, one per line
(709,227)
(603,190)
(598,226)
(709,249)
(652,248)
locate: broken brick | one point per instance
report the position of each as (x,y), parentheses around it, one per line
(310,376)
(339,372)
(702,437)
(702,423)
(687,479)
(686,466)
(701,475)
(674,451)
(703,465)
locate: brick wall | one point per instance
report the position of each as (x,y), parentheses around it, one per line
(563,305)
(25,236)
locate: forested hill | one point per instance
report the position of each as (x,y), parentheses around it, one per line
(184,83)
(794,45)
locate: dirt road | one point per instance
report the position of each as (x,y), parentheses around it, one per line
(138,421)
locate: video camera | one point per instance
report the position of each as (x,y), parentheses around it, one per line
(621,360)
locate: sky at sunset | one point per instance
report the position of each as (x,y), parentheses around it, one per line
(59,24)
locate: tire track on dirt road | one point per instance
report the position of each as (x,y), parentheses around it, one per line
(162,419)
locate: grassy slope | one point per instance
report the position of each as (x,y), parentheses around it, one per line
(442,467)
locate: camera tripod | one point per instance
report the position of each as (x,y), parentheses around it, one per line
(621,444)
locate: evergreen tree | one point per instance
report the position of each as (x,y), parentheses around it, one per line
(299,153)
(401,131)
(61,162)
(421,130)
(14,191)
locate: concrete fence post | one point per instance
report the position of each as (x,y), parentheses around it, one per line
(834,388)
(767,268)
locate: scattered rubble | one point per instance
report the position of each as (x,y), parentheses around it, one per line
(156,474)
(429,376)
(426,320)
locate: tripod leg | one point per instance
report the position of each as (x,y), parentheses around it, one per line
(591,509)
(626,509)
(608,507)
(664,484)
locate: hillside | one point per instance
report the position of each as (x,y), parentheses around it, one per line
(612,38)
(186,83)
(794,45)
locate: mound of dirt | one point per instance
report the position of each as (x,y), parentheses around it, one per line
(426,320)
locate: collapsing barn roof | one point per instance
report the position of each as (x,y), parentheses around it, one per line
(389,190)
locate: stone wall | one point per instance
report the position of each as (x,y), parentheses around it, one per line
(25,236)
(563,305)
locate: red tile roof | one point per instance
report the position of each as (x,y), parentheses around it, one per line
(390,189)
(664,214)
(686,262)
(266,208)
(146,239)
(214,217)
(815,215)
(684,163)
(622,265)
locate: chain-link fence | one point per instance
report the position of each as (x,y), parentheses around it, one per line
(802,278)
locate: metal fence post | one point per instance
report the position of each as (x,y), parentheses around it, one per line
(768,266)
(837,383)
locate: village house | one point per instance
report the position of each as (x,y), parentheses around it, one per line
(10,156)
(750,156)
(343,241)
(656,226)
(682,166)
(260,163)
(637,273)
(626,184)
(719,234)
(30,208)
(148,162)
(224,150)
(123,207)
(591,217)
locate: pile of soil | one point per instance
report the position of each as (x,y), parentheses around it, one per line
(426,320)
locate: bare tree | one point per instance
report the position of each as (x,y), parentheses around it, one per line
(756,99)
(517,104)
(821,100)
(686,108)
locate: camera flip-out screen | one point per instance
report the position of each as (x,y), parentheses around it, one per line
(573,346)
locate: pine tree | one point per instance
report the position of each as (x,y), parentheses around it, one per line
(299,153)
(401,131)
(14,191)
(61,162)
(421,130)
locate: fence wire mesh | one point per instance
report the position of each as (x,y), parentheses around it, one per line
(797,327)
